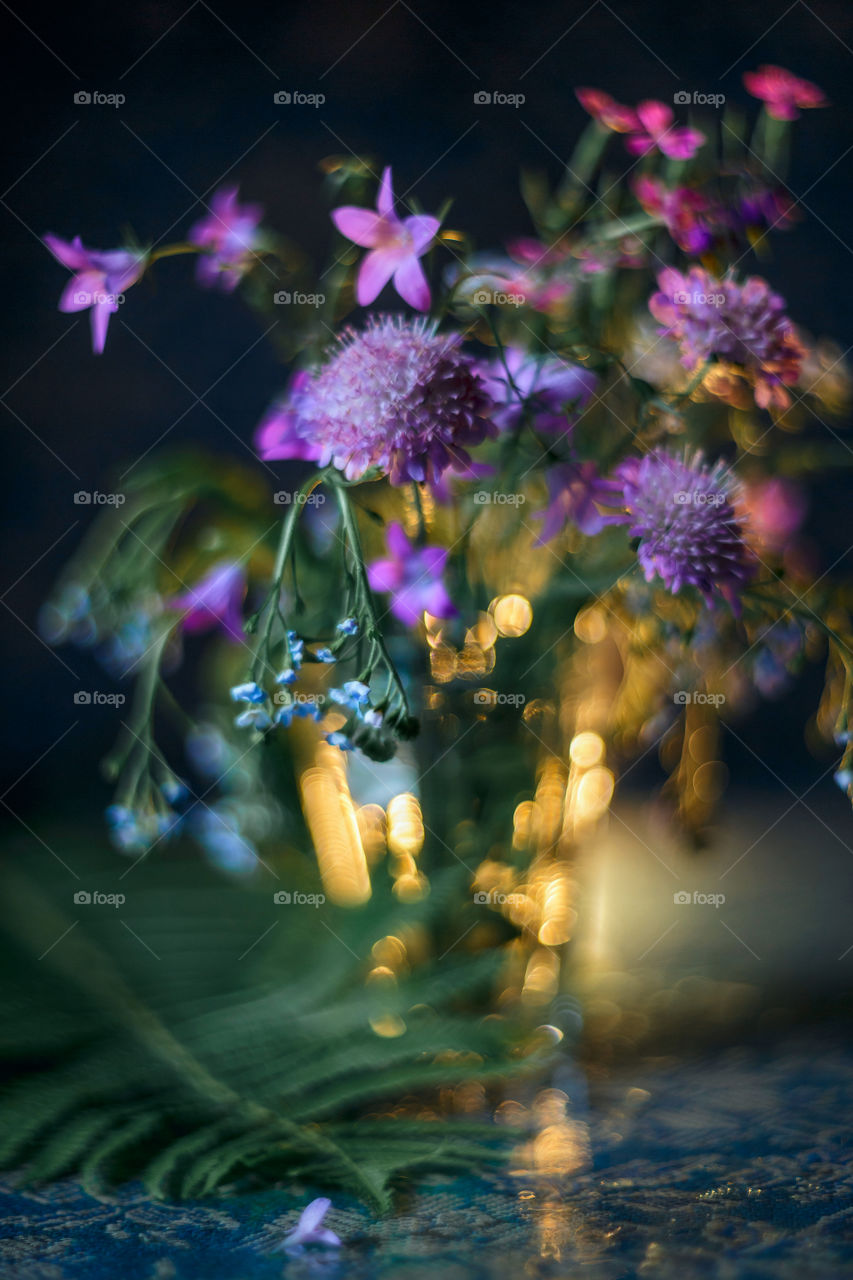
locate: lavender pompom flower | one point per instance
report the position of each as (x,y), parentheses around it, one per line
(397,396)
(741,325)
(681,509)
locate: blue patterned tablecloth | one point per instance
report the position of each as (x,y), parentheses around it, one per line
(733,1166)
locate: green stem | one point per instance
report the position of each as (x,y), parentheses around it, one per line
(272,602)
(365,595)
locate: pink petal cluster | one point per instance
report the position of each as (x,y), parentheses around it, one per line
(681,509)
(683,211)
(215,600)
(648,125)
(396,247)
(657,130)
(230,235)
(412,577)
(398,396)
(100,278)
(783,93)
(743,324)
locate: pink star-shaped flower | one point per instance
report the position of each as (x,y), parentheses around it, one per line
(412,577)
(99,281)
(782,92)
(215,600)
(656,130)
(395,247)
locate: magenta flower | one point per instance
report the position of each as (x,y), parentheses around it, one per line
(99,281)
(681,509)
(215,600)
(655,129)
(683,211)
(412,576)
(230,235)
(555,391)
(395,247)
(309,1228)
(607,111)
(742,324)
(575,491)
(782,93)
(398,396)
(777,508)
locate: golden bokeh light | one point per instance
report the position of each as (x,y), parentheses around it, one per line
(513,615)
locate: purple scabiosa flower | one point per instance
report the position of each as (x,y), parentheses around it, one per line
(99,281)
(396,246)
(215,600)
(782,93)
(412,576)
(681,509)
(742,324)
(398,396)
(574,492)
(554,390)
(229,233)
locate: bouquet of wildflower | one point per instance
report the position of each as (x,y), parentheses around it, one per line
(549,498)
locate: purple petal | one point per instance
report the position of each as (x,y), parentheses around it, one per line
(422,227)
(384,576)
(407,608)
(326,1236)
(362,226)
(385,198)
(73,255)
(79,293)
(314,1213)
(374,273)
(433,560)
(435,600)
(398,543)
(411,284)
(100,317)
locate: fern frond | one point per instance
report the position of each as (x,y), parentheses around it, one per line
(155,1051)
